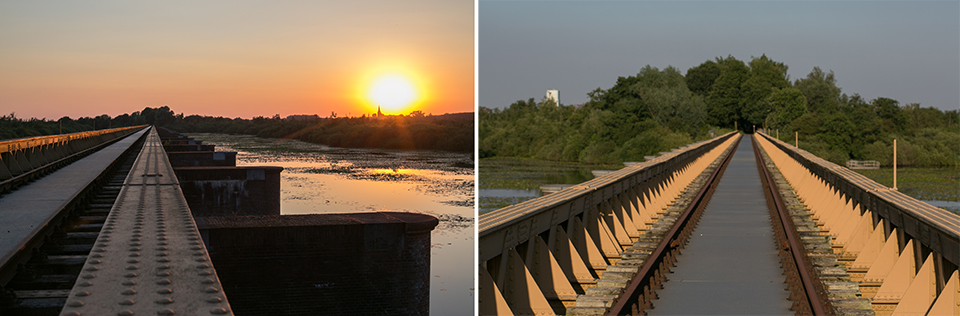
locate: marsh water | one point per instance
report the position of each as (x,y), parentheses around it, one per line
(508,181)
(322,179)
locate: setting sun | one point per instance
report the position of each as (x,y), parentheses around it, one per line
(393,92)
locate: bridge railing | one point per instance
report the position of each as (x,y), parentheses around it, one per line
(25,158)
(903,252)
(537,256)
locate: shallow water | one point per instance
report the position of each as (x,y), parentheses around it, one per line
(953,206)
(322,179)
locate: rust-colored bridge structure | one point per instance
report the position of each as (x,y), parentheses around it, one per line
(739,224)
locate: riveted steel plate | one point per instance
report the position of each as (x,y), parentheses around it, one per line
(149,258)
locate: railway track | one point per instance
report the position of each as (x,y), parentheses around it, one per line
(640,295)
(41,280)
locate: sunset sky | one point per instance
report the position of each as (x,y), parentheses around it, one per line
(233,58)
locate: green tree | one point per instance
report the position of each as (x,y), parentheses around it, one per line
(821,91)
(701,78)
(724,97)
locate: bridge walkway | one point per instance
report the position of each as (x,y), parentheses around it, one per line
(731,265)
(29,209)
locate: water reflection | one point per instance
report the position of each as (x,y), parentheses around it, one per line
(322,179)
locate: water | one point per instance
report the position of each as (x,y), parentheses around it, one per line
(952,206)
(322,179)
(508,181)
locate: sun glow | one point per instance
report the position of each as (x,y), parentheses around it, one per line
(393,92)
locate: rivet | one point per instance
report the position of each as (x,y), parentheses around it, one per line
(134,239)
(161,234)
(94,261)
(137,235)
(211,290)
(73,314)
(161,248)
(162,254)
(92,269)
(163,266)
(166,312)
(165,291)
(196,248)
(83,293)
(163,243)
(164,301)
(125,313)
(163,260)
(89,276)
(208,272)
(134,243)
(135,254)
(219,311)
(201,259)
(85,284)
(163,274)
(100,250)
(129,292)
(214,300)
(208,281)
(203,266)
(97,255)
(163,281)
(132,267)
(134,260)
(127,302)
(161,238)
(129,282)
(130,275)
(75,304)
(101,245)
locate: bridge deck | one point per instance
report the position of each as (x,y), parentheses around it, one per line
(149,258)
(28,209)
(730,266)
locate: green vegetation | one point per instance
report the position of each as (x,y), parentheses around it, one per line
(528,174)
(449,132)
(656,110)
(941,184)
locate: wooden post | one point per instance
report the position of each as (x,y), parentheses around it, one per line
(796,139)
(778,133)
(894,164)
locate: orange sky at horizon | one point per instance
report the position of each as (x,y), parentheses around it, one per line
(232,59)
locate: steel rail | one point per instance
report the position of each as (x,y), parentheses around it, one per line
(810,300)
(650,275)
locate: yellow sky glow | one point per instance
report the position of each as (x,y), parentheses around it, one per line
(232,59)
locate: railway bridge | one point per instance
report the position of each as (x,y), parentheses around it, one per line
(144,221)
(739,224)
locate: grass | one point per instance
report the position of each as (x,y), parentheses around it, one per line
(942,184)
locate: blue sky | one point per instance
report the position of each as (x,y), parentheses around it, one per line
(908,51)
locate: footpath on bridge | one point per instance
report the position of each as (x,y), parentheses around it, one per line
(730,266)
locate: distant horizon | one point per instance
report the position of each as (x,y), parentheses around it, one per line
(345,115)
(235,59)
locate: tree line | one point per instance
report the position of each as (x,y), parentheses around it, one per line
(448,132)
(656,110)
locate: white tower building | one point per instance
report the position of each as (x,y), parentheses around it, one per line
(554,95)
